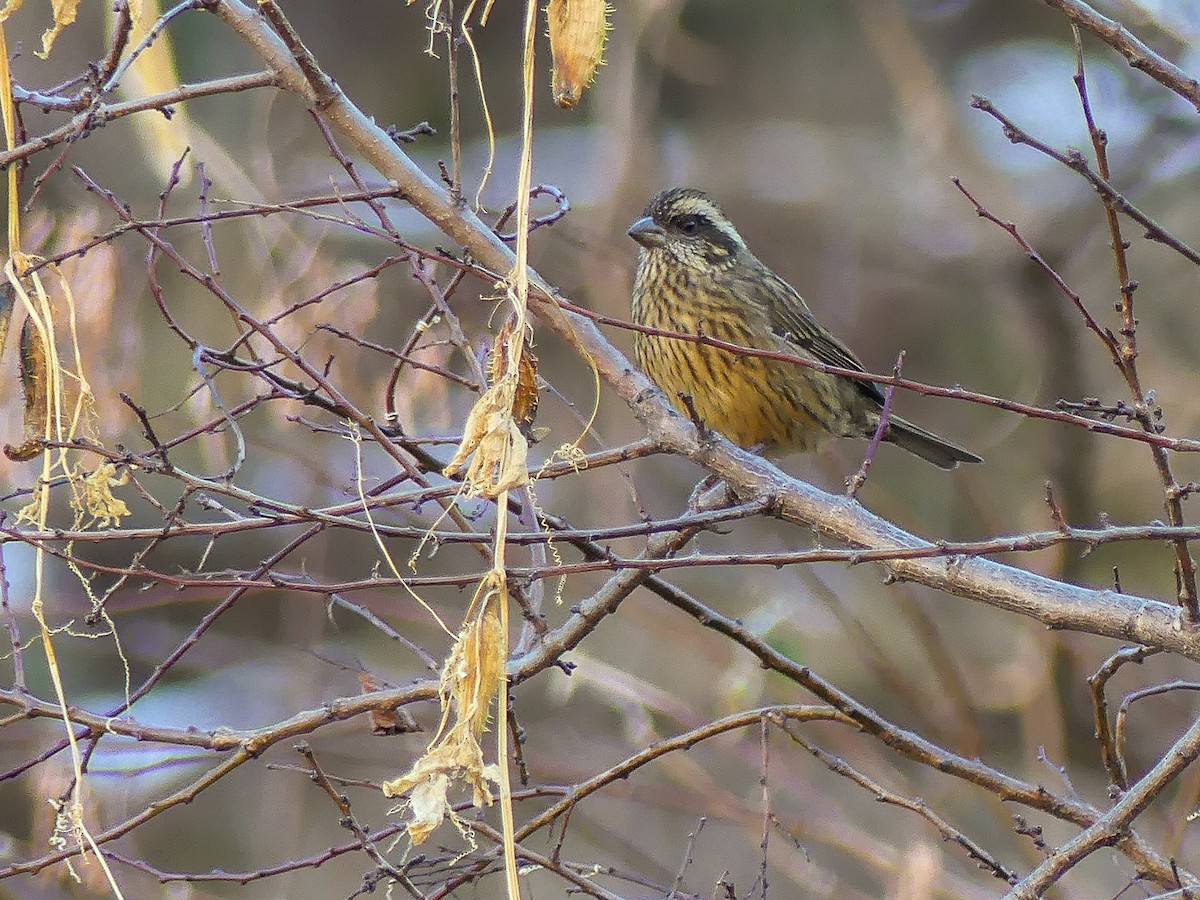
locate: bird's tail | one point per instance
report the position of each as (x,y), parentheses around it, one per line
(928,446)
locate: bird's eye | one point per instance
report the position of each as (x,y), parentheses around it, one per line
(690,224)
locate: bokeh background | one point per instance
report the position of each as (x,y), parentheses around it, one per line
(830,131)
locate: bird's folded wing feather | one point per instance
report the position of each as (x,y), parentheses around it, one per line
(793,322)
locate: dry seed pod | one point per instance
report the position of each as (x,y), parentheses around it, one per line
(578,29)
(525,400)
(35,380)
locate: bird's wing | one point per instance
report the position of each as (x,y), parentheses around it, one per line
(793,322)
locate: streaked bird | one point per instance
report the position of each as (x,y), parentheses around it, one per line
(697,276)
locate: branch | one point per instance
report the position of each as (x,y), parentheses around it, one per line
(1135,52)
(91,119)
(1074,161)
(246,745)
(1121,616)
(913,745)
(1112,826)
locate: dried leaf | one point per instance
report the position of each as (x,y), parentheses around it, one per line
(496,431)
(470,679)
(472,673)
(64,15)
(429,805)
(99,501)
(525,397)
(578,29)
(386,722)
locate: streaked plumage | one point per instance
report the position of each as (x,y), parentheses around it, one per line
(696,276)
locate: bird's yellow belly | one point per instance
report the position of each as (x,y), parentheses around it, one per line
(754,402)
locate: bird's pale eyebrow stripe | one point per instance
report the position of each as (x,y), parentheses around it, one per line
(701,208)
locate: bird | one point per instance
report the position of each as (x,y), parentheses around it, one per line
(696,276)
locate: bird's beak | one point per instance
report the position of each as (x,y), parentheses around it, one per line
(648,233)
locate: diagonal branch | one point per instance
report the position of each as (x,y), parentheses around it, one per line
(1128,45)
(1112,826)
(1059,605)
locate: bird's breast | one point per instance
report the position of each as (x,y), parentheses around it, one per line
(751,400)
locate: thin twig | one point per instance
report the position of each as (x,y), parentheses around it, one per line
(854,483)
(1114,824)
(1110,753)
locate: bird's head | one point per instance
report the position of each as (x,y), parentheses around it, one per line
(687,225)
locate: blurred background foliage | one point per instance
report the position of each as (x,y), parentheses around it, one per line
(829,130)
